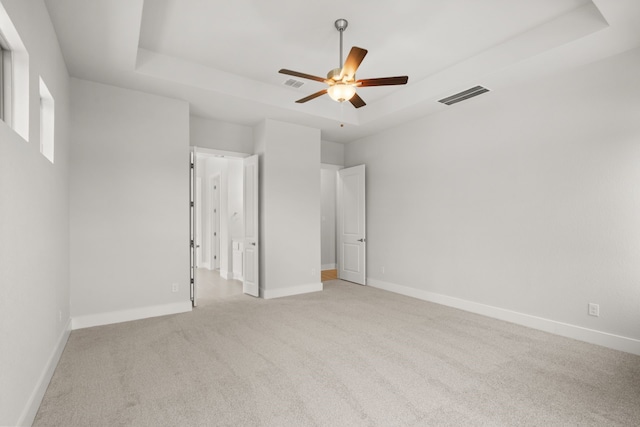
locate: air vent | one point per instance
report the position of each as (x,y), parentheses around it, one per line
(469,93)
(293,83)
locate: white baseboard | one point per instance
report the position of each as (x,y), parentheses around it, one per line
(616,342)
(87,321)
(328,266)
(293,290)
(31,408)
(225,274)
(238,276)
(205,264)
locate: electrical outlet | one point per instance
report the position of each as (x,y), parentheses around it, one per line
(175,287)
(594,309)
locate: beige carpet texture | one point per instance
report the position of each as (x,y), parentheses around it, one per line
(348,356)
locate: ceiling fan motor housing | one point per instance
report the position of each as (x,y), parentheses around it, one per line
(334,74)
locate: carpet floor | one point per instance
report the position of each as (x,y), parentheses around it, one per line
(347,356)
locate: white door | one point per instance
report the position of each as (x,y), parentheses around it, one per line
(193,227)
(352,243)
(215,223)
(198,223)
(250,283)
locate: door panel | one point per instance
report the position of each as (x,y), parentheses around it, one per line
(250,284)
(352,225)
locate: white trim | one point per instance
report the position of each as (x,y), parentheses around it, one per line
(330,166)
(205,265)
(213,152)
(225,274)
(616,342)
(90,320)
(238,276)
(329,266)
(31,408)
(293,290)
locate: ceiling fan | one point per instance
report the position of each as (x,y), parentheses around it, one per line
(342,80)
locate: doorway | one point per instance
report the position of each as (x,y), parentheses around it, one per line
(219,215)
(328,215)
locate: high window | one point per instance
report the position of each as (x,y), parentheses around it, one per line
(14,77)
(5,80)
(47,121)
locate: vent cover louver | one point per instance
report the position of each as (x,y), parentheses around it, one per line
(293,83)
(469,93)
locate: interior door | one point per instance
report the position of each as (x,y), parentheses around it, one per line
(215,223)
(351,223)
(198,223)
(193,227)
(250,283)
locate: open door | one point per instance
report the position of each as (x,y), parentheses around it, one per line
(193,220)
(352,243)
(250,284)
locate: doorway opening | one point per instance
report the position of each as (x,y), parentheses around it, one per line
(219,218)
(328,216)
(343,228)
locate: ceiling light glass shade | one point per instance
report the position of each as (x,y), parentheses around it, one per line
(341,92)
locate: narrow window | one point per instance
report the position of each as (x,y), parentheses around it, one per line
(5,81)
(47,121)
(14,77)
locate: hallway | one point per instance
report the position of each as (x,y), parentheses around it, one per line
(212,287)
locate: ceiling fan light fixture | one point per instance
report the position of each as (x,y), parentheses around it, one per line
(341,92)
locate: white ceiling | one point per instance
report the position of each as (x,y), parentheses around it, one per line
(223,57)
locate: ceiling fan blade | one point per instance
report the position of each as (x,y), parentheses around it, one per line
(312,96)
(356,55)
(303,75)
(383,81)
(357,101)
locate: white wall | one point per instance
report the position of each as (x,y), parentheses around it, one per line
(34,230)
(220,135)
(525,199)
(289,208)
(129,204)
(332,153)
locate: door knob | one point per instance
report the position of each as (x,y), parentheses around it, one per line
(253,243)
(362,240)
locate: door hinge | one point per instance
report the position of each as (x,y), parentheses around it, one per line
(215,234)
(191,204)
(215,257)
(191,165)
(192,281)
(192,242)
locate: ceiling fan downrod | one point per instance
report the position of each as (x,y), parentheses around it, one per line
(341,25)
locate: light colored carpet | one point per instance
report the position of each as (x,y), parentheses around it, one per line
(347,356)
